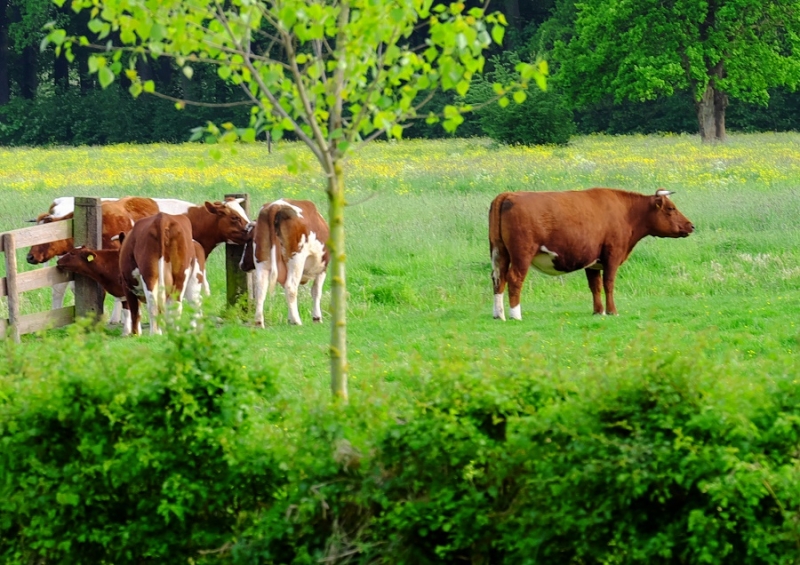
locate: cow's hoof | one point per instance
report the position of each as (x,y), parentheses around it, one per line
(317,320)
(501,318)
(601,313)
(259,324)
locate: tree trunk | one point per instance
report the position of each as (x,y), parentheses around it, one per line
(61,73)
(711,114)
(511,9)
(5,87)
(30,78)
(85,77)
(720,103)
(338,348)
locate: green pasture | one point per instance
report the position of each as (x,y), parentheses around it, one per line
(417,250)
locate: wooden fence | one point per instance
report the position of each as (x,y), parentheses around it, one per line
(86,228)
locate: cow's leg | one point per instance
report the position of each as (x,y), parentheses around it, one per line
(116,312)
(516,278)
(500,261)
(125,318)
(595,285)
(151,299)
(609,274)
(294,274)
(316,296)
(135,314)
(59,292)
(262,286)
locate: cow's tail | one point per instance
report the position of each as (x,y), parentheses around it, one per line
(497,247)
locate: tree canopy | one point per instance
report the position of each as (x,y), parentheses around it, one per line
(718,49)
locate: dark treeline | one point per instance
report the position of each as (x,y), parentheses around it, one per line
(46,99)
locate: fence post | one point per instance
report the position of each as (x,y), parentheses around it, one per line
(10,248)
(87,229)
(238,283)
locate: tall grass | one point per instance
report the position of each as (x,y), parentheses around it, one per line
(417,248)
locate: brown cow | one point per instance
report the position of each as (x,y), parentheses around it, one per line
(219,222)
(288,247)
(118,216)
(561,232)
(159,264)
(102,266)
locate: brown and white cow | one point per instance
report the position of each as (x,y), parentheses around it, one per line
(159,264)
(219,222)
(561,232)
(102,266)
(288,247)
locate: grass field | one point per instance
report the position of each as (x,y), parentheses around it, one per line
(418,263)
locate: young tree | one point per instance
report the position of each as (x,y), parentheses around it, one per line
(716,49)
(337,73)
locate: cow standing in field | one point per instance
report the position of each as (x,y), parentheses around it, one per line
(159,264)
(288,247)
(561,232)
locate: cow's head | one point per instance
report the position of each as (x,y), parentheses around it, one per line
(77,260)
(233,226)
(665,218)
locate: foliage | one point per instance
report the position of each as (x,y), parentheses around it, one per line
(108,460)
(539,117)
(645,458)
(610,53)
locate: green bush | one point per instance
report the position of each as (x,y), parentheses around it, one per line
(542,118)
(185,456)
(127,460)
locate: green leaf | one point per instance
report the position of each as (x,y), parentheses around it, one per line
(188,71)
(498,32)
(248,135)
(224,72)
(503,102)
(105,76)
(149,86)
(519,96)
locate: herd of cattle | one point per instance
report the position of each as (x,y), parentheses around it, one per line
(154,250)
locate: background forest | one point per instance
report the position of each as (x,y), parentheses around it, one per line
(46,99)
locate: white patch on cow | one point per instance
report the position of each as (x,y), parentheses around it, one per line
(316,251)
(173,205)
(236,206)
(499,311)
(273,268)
(515,313)
(64,205)
(283,202)
(595,266)
(138,287)
(663,192)
(543,261)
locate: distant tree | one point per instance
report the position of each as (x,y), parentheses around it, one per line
(336,73)
(714,49)
(5,81)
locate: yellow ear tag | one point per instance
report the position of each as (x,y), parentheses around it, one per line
(90,258)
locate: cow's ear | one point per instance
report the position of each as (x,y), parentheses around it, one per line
(658,202)
(212,207)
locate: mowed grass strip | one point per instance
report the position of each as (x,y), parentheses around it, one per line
(417,250)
